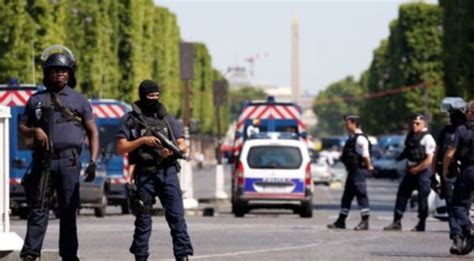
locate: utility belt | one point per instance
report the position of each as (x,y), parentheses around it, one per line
(74,152)
(155,168)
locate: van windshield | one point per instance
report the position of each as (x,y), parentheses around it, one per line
(274,157)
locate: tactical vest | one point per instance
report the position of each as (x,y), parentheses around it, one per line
(443,142)
(146,156)
(350,157)
(415,152)
(466,150)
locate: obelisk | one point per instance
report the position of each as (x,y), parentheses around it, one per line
(295,58)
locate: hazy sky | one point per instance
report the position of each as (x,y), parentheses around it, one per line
(337,38)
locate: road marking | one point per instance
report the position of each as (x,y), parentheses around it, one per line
(238,253)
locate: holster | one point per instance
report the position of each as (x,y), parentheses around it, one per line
(138,203)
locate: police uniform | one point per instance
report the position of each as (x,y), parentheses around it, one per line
(65,170)
(463,141)
(155,177)
(418,146)
(356,148)
(446,135)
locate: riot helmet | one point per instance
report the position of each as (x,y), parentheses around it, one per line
(450,104)
(58,56)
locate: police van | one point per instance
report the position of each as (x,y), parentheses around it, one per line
(273,171)
(108,113)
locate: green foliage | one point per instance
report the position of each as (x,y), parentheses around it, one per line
(330,107)
(16,53)
(241,95)
(202,108)
(458,43)
(412,54)
(224,110)
(117,44)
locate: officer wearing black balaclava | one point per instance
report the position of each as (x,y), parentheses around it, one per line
(156,169)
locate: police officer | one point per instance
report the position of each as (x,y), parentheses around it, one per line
(356,158)
(455,107)
(71,113)
(156,169)
(461,148)
(419,151)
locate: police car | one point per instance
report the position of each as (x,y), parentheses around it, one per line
(273,170)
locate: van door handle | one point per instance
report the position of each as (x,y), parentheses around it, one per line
(19,163)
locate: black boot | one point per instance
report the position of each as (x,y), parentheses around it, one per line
(182,258)
(339,224)
(457,246)
(141,258)
(420,227)
(469,246)
(364,224)
(395,226)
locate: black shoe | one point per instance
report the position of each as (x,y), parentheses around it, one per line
(182,258)
(457,246)
(70,258)
(468,247)
(395,226)
(28,258)
(363,225)
(337,225)
(420,227)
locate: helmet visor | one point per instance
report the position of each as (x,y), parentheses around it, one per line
(54,49)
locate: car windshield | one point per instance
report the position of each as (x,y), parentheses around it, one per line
(274,157)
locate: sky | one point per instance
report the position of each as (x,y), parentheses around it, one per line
(337,38)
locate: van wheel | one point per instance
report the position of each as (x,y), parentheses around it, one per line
(306,210)
(239,209)
(100,211)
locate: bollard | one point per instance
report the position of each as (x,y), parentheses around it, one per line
(9,241)
(186,178)
(220,188)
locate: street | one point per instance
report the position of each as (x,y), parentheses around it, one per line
(266,234)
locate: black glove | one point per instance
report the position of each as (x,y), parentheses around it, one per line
(90,172)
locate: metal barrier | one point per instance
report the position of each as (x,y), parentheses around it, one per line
(9,241)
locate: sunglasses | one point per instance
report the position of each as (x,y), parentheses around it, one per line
(416,123)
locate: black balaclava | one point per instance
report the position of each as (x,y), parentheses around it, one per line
(149,106)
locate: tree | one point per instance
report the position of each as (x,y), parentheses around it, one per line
(17,54)
(330,105)
(458,44)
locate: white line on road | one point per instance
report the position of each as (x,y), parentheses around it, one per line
(238,253)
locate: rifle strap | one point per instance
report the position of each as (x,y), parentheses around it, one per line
(67,113)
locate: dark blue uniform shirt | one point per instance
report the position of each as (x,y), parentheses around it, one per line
(462,137)
(128,131)
(65,134)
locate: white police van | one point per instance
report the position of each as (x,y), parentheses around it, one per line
(273,170)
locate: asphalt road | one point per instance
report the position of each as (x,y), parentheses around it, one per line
(267,234)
